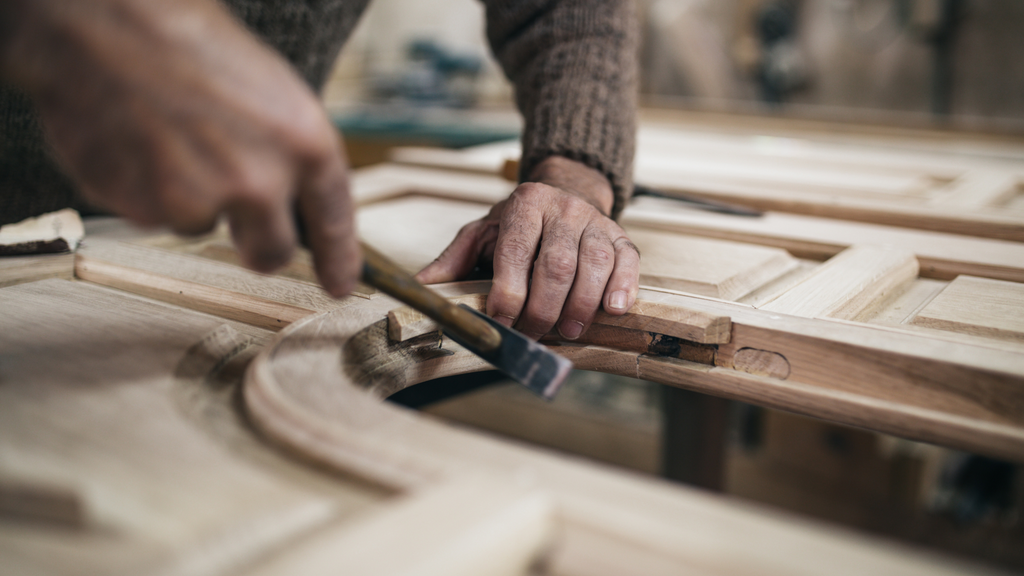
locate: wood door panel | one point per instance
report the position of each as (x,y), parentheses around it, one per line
(962,188)
(720,269)
(977,306)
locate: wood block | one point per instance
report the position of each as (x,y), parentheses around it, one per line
(848,284)
(685,323)
(716,268)
(20,269)
(405,323)
(977,306)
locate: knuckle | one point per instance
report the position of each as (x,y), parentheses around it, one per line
(516,250)
(530,194)
(309,133)
(557,266)
(597,256)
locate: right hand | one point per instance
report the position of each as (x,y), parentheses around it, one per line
(169,112)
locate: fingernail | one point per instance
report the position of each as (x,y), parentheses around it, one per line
(570,329)
(506,321)
(617,301)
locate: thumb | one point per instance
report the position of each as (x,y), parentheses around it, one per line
(459,258)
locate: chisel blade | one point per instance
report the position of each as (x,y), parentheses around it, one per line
(528,362)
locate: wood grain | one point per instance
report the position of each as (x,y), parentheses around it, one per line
(204,285)
(720,269)
(405,323)
(939,255)
(848,284)
(977,306)
(978,189)
(671,320)
(21,269)
(120,448)
(607,522)
(414,231)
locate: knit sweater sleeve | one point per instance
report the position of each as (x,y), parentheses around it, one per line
(573,64)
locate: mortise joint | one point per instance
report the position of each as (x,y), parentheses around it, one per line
(761,363)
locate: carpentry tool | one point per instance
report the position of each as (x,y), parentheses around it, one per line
(698,202)
(525,361)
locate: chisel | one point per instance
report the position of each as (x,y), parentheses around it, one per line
(531,364)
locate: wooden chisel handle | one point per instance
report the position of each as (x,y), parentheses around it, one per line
(386,276)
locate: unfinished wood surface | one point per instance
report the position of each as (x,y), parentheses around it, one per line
(726,270)
(941,256)
(960,391)
(122,451)
(912,184)
(388,181)
(414,231)
(848,284)
(466,527)
(671,320)
(898,309)
(229,291)
(607,523)
(405,323)
(979,188)
(977,306)
(980,223)
(20,269)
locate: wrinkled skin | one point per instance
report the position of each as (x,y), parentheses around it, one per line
(169,112)
(555,228)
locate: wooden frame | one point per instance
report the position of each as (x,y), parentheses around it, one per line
(317,391)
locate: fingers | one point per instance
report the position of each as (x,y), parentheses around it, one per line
(325,206)
(263,233)
(596,262)
(624,284)
(518,238)
(557,261)
(461,256)
(554,272)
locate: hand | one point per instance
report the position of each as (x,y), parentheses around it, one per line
(555,226)
(169,112)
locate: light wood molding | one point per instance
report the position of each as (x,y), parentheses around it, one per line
(848,283)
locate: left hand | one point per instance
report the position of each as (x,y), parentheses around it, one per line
(555,226)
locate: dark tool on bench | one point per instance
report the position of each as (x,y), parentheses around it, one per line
(531,364)
(698,202)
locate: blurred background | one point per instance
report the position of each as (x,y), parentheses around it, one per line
(914,63)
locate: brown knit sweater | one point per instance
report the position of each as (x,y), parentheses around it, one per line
(572,63)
